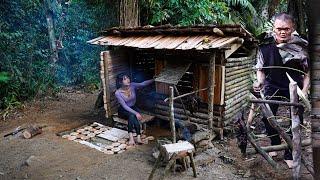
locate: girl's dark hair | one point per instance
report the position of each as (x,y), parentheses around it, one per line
(120,79)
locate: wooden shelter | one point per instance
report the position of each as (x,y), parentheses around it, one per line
(212,63)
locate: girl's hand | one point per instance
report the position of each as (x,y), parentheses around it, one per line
(139,117)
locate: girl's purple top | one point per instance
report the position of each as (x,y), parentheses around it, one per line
(126,102)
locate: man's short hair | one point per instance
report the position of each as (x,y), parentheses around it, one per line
(284,17)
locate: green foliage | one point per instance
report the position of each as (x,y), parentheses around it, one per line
(25,68)
(188,12)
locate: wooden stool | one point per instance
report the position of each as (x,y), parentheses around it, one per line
(145,118)
(172,152)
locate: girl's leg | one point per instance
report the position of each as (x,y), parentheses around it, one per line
(131,126)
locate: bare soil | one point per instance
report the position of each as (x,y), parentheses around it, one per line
(48,156)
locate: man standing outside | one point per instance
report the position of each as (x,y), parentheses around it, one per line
(281,50)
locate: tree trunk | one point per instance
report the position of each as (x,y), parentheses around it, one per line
(273,4)
(49,4)
(296,9)
(129,13)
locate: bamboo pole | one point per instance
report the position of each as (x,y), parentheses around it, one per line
(187,94)
(280,147)
(184,108)
(173,129)
(211,85)
(296,133)
(295,104)
(181,111)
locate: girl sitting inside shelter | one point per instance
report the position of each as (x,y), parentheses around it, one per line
(126,96)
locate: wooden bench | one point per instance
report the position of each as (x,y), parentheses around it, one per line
(172,152)
(145,118)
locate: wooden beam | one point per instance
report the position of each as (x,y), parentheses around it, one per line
(232,49)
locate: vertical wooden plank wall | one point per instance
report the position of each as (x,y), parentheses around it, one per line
(203,83)
(112,63)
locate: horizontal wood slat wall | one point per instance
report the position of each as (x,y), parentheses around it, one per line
(237,86)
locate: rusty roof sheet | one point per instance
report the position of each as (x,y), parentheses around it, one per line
(183,42)
(198,37)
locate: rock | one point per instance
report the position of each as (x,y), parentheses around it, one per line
(203,143)
(200,135)
(74,133)
(156,154)
(32,160)
(116,144)
(204,159)
(66,136)
(123,146)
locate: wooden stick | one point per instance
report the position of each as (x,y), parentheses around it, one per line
(170,163)
(184,108)
(250,151)
(192,164)
(301,95)
(250,116)
(172,123)
(275,102)
(262,152)
(187,94)
(155,166)
(296,134)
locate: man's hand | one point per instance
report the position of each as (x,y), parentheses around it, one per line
(257,86)
(139,117)
(305,92)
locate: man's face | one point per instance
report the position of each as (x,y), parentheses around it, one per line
(283,30)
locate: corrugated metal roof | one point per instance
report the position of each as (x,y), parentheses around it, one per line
(182,42)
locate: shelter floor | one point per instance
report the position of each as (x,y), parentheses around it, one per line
(51,157)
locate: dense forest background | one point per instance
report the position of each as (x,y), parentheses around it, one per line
(29,29)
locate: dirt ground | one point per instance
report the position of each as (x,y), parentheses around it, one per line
(48,156)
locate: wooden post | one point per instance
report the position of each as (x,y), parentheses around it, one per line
(105,82)
(172,124)
(211,84)
(296,149)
